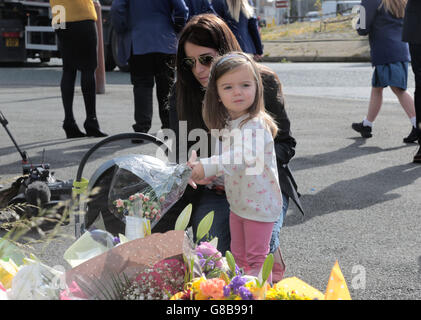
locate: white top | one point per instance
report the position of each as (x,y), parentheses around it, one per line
(248,163)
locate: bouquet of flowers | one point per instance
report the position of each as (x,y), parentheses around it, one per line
(143,189)
(160,282)
(144,205)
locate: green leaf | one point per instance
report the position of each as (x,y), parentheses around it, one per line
(230,261)
(204,226)
(184,218)
(267,268)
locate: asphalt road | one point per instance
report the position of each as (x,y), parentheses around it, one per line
(362,197)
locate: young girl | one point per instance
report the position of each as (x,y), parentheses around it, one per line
(234,102)
(383,24)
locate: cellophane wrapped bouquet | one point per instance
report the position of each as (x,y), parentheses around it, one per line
(143,189)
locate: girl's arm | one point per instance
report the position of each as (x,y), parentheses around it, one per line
(181,14)
(219,8)
(240,155)
(255,35)
(367,16)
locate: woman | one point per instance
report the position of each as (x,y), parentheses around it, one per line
(390,57)
(78,48)
(412,35)
(240,17)
(202,39)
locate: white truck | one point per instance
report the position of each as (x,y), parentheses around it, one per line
(26,32)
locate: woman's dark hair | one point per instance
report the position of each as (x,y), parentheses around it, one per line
(206,30)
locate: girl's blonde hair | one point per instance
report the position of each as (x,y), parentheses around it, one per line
(395,7)
(215,115)
(237,6)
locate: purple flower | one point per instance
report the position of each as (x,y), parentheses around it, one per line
(202,263)
(236,283)
(116,240)
(245,294)
(208,250)
(227,291)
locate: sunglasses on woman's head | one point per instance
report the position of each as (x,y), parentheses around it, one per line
(204,60)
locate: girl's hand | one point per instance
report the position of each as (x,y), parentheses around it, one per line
(198,173)
(194,180)
(258,57)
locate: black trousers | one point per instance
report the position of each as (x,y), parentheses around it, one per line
(415,50)
(145,71)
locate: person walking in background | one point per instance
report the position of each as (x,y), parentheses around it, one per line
(240,17)
(77,44)
(148,42)
(412,34)
(234,101)
(198,6)
(390,57)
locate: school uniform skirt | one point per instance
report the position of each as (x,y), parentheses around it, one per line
(78,45)
(391,75)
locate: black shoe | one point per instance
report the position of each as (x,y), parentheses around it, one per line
(72,130)
(365,131)
(413,136)
(92,128)
(417,157)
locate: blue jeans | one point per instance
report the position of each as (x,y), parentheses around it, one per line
(210,201)
(274,241)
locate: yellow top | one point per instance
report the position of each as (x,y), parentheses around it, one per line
(74,10)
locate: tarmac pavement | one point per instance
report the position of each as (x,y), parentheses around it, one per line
(362,197)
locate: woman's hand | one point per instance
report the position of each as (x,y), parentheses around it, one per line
(198,173)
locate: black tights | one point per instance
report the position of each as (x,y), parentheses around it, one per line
(87,82)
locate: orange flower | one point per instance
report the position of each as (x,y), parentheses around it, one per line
(213,288)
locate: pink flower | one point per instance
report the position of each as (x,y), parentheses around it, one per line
(213,288)
(206,249)
(162,199)
(131,198)
(141,195)
(119,203)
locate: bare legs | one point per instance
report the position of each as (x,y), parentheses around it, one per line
(376,100)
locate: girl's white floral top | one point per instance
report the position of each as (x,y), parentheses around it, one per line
(248,163)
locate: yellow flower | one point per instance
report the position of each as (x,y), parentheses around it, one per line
(196,289)
(258,293)
(177,296)
(7,271)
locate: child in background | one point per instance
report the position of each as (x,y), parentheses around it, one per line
(383,23)
(234,106)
